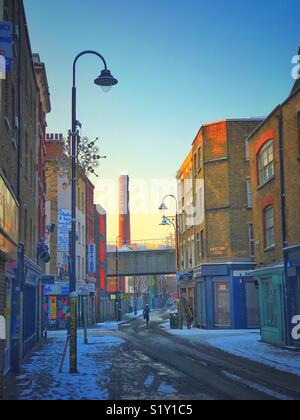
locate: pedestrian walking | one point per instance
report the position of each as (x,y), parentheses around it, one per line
(189,316)
(146,314)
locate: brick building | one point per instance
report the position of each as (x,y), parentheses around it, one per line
(18,162)
(216,241)
(59,214)
(275,173)
(103,302)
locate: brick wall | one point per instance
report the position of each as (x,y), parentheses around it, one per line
(52,192)
(291,134)
(271,193)
(219,166)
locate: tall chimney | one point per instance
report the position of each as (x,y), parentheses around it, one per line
(124,212)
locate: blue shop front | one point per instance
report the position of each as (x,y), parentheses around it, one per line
(227,296)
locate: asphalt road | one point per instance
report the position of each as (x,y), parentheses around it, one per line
(136,362)
(194,372)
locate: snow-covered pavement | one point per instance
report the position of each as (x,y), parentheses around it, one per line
(242,343)
(40,378)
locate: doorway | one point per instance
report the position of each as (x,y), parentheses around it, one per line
(222,305)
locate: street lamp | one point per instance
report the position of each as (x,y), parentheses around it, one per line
(117,282)
(165,222)
(106,81)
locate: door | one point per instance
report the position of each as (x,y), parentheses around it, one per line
(252,298)
(272,310)
(201,305)
(222,305)
(7,350)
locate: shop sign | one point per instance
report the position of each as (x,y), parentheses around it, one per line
(64,228)
(185,276)
(9,220)
(6,45)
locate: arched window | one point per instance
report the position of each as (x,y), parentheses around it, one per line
(266,163)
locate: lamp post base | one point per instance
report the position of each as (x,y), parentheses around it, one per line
(73,333)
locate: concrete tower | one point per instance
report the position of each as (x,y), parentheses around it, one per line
(124,212)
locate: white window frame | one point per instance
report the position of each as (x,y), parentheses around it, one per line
(266,163)
(269,227)
(251,240)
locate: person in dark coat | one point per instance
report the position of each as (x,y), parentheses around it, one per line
(147,314)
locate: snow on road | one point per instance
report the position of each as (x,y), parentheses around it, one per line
(243,343)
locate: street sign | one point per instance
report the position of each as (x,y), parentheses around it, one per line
(92,258)
(6,42)
(185,276)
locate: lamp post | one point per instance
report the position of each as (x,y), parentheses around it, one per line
(164,207)
(167,221)
(106,81)
(117,282)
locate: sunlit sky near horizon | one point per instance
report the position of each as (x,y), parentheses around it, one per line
(180,63)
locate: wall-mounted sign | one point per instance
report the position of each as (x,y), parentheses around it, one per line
(64,227)
(6,43)
(218,250)
(9,221)
(92,258)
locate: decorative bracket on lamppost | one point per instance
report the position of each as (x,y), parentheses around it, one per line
(88,157)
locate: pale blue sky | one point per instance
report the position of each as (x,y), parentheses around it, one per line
(180,63)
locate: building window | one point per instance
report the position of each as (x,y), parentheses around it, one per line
(269,227)
(247,151)
(199,160)
(202,244)
(78,267)
(13,106)
(249,194)
(25,229)
(26,154)
(298,127)
(251,241)
(266,163)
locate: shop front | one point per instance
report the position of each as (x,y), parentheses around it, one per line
(31,301)
(227,297)
(9,220)
(56,305)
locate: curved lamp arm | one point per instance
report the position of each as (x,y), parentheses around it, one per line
(85,53)
(175,198)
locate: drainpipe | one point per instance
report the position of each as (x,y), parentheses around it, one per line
(283,229)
